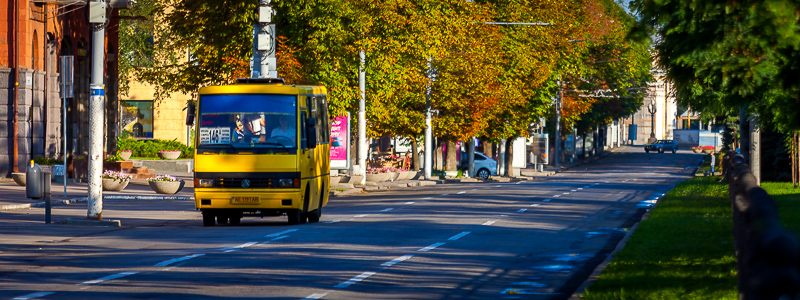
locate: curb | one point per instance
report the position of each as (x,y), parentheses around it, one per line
(90,222)
(85,199)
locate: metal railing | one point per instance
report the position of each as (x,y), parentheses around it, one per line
(767,256)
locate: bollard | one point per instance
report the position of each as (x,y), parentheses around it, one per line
(47,200)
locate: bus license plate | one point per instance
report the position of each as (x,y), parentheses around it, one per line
(244,200)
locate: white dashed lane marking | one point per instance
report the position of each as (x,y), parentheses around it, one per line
(174,260)
(431,247)
(489,223)
(396,260)
(535,204)
(316,296)
(34,295)
(458,236)
(461,192)
(355,280)
(281,233)
(522,210)
(409,203)
(388,209)
(109,277)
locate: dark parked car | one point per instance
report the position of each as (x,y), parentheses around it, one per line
(661,146)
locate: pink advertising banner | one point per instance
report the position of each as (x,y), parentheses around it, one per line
(340,142)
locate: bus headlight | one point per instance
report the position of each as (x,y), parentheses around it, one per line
(205,183)
(286,183)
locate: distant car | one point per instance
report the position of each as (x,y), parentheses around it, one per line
(484,165)
(661,146)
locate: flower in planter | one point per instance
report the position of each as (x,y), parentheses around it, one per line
(163,178)
(116,176)
(169,151)
(126,151)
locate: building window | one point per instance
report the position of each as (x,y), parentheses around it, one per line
(137,119)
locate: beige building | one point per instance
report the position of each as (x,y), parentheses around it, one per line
(144,117)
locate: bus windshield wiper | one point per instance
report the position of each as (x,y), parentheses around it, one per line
(218,145)
(275,143)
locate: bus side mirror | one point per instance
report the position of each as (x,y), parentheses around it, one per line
(311,133)
(191,113)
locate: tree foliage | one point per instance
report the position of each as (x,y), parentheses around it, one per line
(491,80)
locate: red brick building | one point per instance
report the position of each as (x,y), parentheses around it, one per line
(33,35)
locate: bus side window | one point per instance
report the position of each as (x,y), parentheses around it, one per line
(303,118)
(322,120)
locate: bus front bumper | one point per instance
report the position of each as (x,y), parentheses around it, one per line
(215,198)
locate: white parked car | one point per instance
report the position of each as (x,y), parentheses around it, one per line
(484,165)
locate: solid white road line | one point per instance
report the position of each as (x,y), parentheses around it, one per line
(34,295)
(281,233)
(431,247)
(355,280)
(109,277)
(489,223)
(396,260)
(174,260)
(458,236)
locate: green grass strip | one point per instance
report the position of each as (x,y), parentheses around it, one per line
(684,249)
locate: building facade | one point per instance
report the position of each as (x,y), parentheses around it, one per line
(34,37)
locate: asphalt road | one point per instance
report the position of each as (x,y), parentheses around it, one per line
(519,240)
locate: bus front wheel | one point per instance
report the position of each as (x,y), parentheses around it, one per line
(296,217)
(208,219)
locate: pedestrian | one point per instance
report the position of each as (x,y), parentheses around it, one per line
(713,161)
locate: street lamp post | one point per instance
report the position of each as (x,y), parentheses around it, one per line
(652,110)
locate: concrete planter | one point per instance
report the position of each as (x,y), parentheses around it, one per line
(112,185)
(125,155)
(383,177)
(708,151)
(166,187)
(697,150)
(396,176)
(335,180)
(408,175)
(452,174)
(169,155)
(19,178)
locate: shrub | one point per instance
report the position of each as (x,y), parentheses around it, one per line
(150,148)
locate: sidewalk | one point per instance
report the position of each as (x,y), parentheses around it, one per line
(12,196)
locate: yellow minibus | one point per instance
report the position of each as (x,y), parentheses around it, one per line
(261,149)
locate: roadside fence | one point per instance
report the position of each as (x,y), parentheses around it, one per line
(767,256)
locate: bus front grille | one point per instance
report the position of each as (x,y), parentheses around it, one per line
(238,183)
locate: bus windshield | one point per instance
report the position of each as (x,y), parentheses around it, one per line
(248,121)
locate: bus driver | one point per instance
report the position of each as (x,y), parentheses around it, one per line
(284,130)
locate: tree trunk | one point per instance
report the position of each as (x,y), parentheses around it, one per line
(509,156)
(487,148)
(414,154)
(501,157)
(452,160)
(796,159)
(437,155)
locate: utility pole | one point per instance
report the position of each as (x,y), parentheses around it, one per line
(363,148)
(264,64)
(97,17)
(428,128)
(471,157)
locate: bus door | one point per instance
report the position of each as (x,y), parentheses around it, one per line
(308,162)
